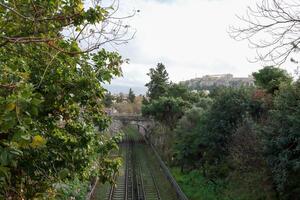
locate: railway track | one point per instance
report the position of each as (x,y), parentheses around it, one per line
(137,181)
(148,185)
(129,189)
(123,190)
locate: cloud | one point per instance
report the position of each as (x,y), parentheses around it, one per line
(162,1)
(189,36)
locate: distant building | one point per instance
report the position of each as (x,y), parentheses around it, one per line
(209,82)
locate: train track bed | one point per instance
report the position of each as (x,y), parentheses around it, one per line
(149,186)
(154,177)
(141,177)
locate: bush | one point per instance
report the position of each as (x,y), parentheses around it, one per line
(186,147)
(229,108)
(250,177)
(74,189)
(282,141)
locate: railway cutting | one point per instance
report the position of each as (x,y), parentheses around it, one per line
(137,182)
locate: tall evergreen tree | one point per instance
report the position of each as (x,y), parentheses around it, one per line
(131,96)
(159,81)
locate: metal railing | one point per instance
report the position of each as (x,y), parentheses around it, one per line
(179,192)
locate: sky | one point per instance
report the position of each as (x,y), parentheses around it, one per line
(190,37)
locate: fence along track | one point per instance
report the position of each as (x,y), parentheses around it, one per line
(179,192)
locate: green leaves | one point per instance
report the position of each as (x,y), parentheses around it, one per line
(270,78)
(282,140)
(51,97)
(166,110)
(107,65)
(158,84)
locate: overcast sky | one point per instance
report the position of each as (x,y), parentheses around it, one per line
(189,36)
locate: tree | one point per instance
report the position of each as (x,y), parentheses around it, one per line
(108,99)
(272,28)
(187,146)
(270,78)
(120,98)
(131,96)
(204,102)
(249,170)
(51,95)
(178,90)
(167,110)
(282,141)
(229,108)
(158,84)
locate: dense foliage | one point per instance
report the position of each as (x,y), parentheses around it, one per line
(166,110)
(51,98)
(166,102)
(243,142)
(269,78)
(282,141)
(227,111)
(187,149)
(158,84)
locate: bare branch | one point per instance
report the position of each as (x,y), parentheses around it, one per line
(273,28)
(112,29)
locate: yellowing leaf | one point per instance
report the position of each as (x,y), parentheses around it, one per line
(10,106)
(79,7)
(37,141)
(24,75)
(61,109)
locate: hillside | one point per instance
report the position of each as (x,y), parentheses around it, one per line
(209,82)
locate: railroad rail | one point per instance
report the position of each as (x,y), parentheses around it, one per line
(137,181)
(150,189)
(129,175)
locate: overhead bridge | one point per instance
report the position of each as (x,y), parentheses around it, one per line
(144,176)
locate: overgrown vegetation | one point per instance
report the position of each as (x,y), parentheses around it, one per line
(236,143)
(51,97)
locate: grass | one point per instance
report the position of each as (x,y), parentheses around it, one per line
(196,187)
(241,187)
